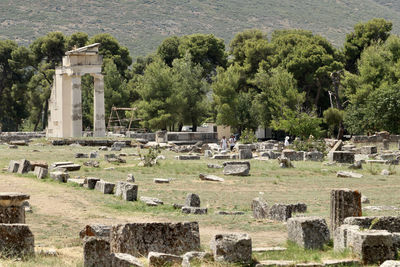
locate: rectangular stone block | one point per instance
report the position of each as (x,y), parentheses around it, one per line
(90,182)
(96,252)
(41,172)
(369,150)
(308,232)
(12,214)
(127,191)
(194,210)
(13,166)
(105,187)
(16,240)
(280,212)
(125,260)
(59,176)
(24,166)
(341,156)
(138,239)
(373,246)
(341,236)
(245,154)
(344,203)
(235,248)
(293,155)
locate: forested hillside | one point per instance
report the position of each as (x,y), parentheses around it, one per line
(142,24)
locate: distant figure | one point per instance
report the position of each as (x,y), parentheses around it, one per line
(232,141)
(287,141)
(223,143)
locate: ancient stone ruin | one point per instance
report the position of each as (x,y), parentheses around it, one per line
(65,104)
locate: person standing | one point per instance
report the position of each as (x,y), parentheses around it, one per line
(232,141)
(223,143)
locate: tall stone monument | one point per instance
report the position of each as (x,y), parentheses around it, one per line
(65,104)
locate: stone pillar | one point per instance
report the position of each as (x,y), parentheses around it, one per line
(344,203)
(11,209)
(99,129)
(386,144)
(76,103)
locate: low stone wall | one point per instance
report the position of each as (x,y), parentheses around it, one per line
(88,142)
(14,136)
(151,137)
(192,137)
(374,138)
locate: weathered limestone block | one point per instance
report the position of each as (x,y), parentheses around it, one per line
(285,162)
(192,200)
(232,248)
(386,144)
(96,252)
(208,154)
(194,210)
(390,264)
(369,150)
(274,263)
(157,259)
(161,181)
(293,155)
(345,262)
(96,230)
(342,236)
(209,177)
(105,187)
(151,201)
(344,203)
(308,232)
(191,256)
(298,207)
(314,156)
(221,156)
(125,260)
(81,155)
(280,212)
(127,191)
(245,154)
(388,223)
(16,240)
(188,157)
(41,172)
(11,207)
(13,166)
(24,166)
(90,182)
(341,156)
(239,168)
(260,208)
(59,176)
(138,239)
(78,181)
(373,246)
(12,214)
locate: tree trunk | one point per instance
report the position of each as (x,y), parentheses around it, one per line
(38,119)
(318,93)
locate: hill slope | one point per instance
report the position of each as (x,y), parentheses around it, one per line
(142,24)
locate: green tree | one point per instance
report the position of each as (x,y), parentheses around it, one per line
(191,90)
(278,91)
(76,40)
(158,105)
(233,106)
(373,93)
(237,45)
(110,48)
(205,49)
(14,76)
(333,117)
(364,35)
(169,49)
(311,59)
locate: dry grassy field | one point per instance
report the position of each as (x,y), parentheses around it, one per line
(60,211)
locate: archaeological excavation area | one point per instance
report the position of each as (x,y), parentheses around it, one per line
(150,201)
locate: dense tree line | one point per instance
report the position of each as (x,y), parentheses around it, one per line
(292,80)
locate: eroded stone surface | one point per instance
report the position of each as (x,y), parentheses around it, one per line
(16,240)
(105,187)
(96,230)
(157,259)
(138,239)
(96,252)
(308,232)
(127,191)
(231,248)
(125,260)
